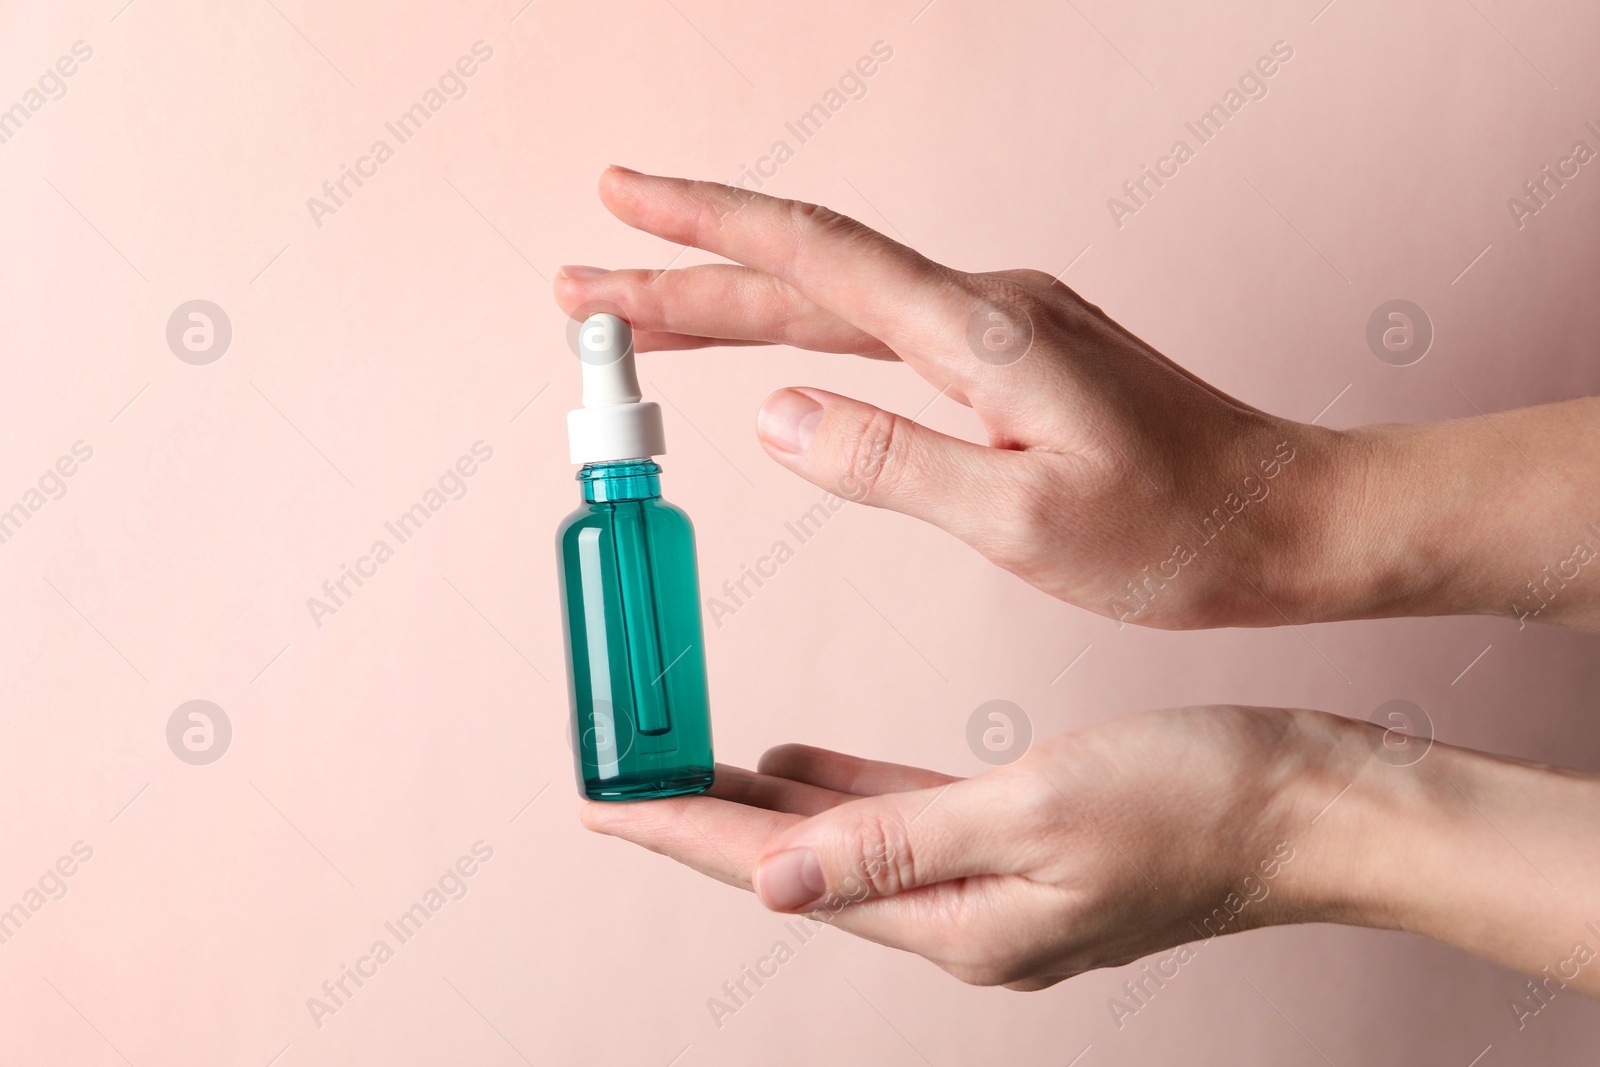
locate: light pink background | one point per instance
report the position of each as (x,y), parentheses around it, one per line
(371,352)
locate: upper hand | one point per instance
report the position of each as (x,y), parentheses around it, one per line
(1112,478)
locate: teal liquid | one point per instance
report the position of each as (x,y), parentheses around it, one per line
(630,591)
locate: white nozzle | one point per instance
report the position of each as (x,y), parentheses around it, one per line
(614,422)
(605,344)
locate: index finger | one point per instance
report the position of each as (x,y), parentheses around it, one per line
(719,838)
(915,306)
(723,839)
(848,775)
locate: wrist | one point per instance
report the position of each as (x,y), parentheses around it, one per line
(1338,524)
(1264,496)
(1330,550)
(1491,855)
(1321,774)
(1380,534)
(1450,518)
(1501,859)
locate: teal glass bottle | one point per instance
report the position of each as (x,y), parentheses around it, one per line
(630,590)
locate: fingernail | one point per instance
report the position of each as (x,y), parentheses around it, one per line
(788,421)
(790,880)
(623,170)
(578,272)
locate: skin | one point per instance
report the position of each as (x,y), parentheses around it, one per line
(1115,480)
(1145,832)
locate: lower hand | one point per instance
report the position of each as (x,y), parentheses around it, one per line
(1094,849)
(1158,830)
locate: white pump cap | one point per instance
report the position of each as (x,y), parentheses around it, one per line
(614,422)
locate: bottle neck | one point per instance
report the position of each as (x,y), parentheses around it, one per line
(624,479)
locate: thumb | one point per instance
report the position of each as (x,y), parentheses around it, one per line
(862,453)
(883,845)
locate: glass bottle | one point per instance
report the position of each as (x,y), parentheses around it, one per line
(630,594)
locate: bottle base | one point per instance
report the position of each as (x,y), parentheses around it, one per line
(652,788)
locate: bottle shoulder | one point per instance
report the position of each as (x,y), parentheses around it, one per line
(602,515)
(667,507)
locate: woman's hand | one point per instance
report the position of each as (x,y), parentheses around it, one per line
(1152,831)
(1112,478)
(1094,849)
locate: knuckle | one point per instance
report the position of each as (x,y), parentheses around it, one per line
(1035,803)
(870,458)
(1045,301)
(1006,312)
(814,225)
(884,865)
(1029,278)
(1074,313)
(773,302)
(1037,278)
(818,220)
(1066,304)
(1014,290)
